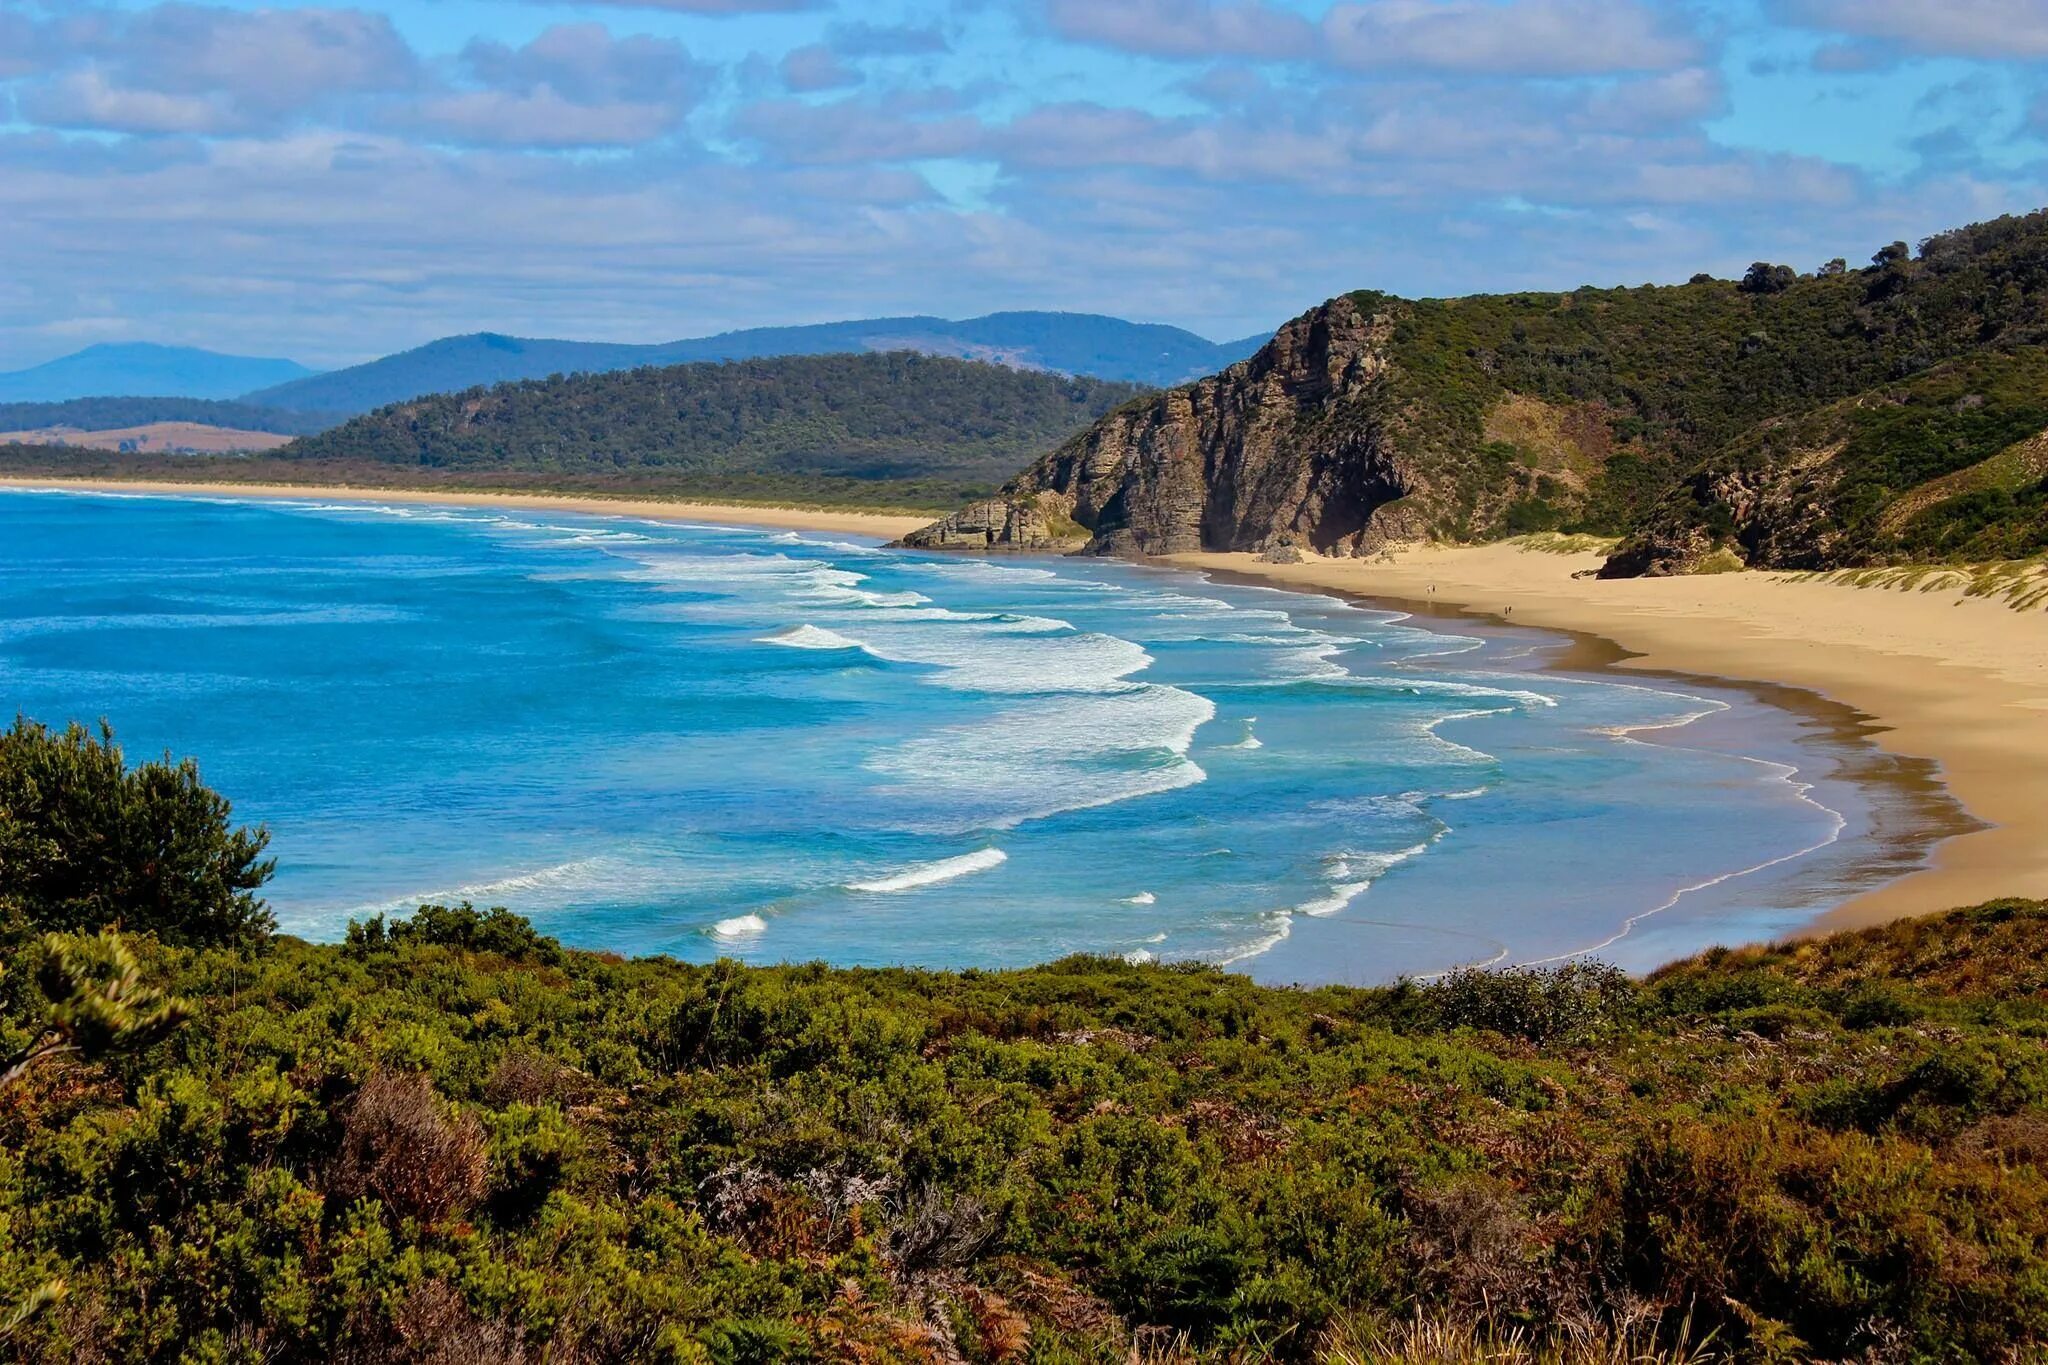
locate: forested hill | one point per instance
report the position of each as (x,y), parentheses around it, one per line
(1067,343)
(902,422)
(99,414)
(1847,415)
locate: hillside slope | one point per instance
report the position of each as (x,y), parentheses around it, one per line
(140,368)
(1069,343)
(884,418)
(1666,412)
(100,414)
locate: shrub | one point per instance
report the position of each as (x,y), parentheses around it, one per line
(496,930)
(1559,1004)
(399,1147)
(87,844)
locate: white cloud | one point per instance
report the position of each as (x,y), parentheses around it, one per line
(1997,30)
(193,69)
(1518,37)
(1246,29)
(816,67)
(540,118)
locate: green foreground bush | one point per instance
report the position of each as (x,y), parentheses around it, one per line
(450,1139)
(369,1151)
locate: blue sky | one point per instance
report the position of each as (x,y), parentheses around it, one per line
(335,181)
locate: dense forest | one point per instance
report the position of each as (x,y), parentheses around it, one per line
(895,415)
(448,1138)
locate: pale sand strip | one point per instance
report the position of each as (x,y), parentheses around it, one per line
(887,525)
(1961,681)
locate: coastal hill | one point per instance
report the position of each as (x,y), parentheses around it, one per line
(144,369)
(106,414)
(156,437)
(1066,343)
(894,427)
(1847,416)
(447,1137)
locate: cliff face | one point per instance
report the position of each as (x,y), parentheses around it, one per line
(1288,447)
(1894,412)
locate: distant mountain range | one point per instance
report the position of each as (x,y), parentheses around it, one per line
(144,370)
(1070,343)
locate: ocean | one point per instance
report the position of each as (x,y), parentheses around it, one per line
(716,741)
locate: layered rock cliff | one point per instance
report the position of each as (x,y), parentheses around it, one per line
(1288,447)
(1844,417)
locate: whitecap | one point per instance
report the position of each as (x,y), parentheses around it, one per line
(740,926)
(1142,898)
(810,637)
(1250,740)
(931,874)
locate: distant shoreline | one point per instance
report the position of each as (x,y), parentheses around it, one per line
(1962,682)
(888,525)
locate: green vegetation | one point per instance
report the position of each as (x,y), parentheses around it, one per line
(892,430)
(1064,343)
(894,416)
(1780,416)
(448,1138)
(112,414)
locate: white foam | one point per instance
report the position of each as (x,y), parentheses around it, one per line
(1444,687)
(931,874)
(1142,898)
(546,888)
(1352,874)
(1250,740)
(740,926)
(810,637)
(1043,757)
(1337,898)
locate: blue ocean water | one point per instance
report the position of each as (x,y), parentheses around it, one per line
(712,741)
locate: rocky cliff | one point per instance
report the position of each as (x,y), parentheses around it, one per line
(1848,416)
(1288,447)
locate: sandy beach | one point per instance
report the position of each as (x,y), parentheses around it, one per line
(888,525)
(1960,681)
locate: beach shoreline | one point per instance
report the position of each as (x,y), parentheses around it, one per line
(1961,683)
(888,525)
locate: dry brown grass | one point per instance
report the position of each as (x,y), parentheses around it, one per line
(1443,1341)
(403,1147)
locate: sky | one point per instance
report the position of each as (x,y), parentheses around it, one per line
(335,181)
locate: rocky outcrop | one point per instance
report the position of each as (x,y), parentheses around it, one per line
(1287,448)
(1025,521)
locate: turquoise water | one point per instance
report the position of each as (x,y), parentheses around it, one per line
(708,740)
